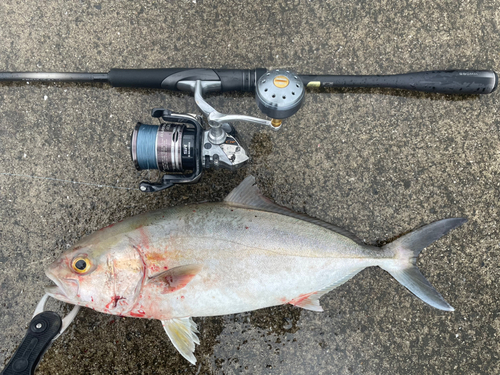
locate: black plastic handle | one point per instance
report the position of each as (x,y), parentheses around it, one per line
(230,79)
(42,330)
(444,81)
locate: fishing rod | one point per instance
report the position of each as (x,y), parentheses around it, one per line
(182,145)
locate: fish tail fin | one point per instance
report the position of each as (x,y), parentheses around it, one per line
(406,250)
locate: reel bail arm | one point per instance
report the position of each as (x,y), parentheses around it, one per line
(169,151)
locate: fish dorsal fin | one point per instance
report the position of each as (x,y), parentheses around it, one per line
(182,332)
(175,278)
(247,195)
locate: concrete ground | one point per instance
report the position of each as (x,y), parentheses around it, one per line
(376,162)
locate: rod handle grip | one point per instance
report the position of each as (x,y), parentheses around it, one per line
(451,81)
(168,78)
(437,81)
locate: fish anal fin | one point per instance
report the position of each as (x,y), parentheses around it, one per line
(309,301)
(175,278)
(182,333)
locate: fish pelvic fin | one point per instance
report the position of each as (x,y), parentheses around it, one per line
(406,250)
(182,333)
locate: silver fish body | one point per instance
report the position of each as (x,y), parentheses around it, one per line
(223,258)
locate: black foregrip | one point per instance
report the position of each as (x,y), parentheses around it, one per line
(145,78)
(42,329)
(239,79)
(231,79)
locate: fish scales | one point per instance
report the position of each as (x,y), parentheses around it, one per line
(223,258)
(249,261)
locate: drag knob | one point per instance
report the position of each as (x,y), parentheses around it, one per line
(279,94)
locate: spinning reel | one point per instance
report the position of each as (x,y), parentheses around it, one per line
(183,144)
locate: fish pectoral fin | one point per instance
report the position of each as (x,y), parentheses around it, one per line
(182,333)
(175,278)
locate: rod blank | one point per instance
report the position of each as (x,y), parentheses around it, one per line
(53,77)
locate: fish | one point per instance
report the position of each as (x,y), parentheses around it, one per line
(211,259)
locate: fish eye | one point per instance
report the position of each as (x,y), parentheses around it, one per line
(81,264)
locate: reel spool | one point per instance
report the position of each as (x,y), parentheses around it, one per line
(174,146)
(167,147)
(179,144)
(180,148)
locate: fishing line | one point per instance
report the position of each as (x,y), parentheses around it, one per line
(146,154)
(69,181)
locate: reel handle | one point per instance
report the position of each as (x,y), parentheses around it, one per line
(441,81)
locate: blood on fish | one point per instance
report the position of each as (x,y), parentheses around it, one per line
(154,268)
(109,226)
(138,314)
(144,238)
(301,298)
(114,301)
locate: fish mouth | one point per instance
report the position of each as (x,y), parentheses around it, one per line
(59,291)
(55,290)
